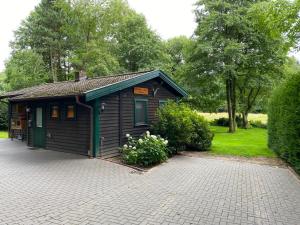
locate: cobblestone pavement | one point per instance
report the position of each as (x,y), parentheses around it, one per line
(46,187)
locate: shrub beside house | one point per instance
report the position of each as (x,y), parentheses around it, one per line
(178,128)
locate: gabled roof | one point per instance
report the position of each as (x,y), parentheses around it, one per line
(90,88)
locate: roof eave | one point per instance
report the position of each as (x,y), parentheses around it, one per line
(100,92)
(44,98)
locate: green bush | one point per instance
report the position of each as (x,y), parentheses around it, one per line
(257,124)
(146,151)
(284,121)
(224,122)
(183,127)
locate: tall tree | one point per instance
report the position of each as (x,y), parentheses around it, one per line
(43,32)
(272,32)
(220,46)
(24,69)
(236,47)
(88,28)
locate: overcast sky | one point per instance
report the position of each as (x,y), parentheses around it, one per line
(169,18)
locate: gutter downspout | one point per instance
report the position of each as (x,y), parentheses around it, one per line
(90,153)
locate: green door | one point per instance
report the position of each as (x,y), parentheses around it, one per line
(39,131)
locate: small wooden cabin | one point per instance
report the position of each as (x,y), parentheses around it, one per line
(89,116)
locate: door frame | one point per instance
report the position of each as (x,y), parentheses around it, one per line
(35,129)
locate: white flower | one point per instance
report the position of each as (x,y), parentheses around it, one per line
(162,139)
(148,133)
(154,137)
(125,146)
(166,142)
(130,146)
(134,148)
(140,141)
(127,135)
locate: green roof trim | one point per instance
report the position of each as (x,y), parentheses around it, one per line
(100,92)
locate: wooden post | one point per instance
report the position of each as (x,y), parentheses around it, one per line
(96,133)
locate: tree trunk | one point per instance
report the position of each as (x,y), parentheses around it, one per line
(229,106)
(233,96)
(53,70)
(245,120)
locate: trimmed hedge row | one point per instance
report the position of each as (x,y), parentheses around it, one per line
(284,121)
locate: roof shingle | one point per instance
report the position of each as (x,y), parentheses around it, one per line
(68,88)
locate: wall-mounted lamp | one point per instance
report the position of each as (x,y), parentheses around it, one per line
(103,106)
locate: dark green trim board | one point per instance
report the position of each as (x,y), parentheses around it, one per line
(97,93)
(96,127)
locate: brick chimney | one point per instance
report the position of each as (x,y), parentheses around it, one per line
(79,76)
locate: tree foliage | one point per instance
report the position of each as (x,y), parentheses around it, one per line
(25,68)
(100,37)
(43,32)
(235,53)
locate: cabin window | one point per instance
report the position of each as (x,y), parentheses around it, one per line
(141,112)
(162,103)
(18,108)
(54,112)
(70,112)
(39,117)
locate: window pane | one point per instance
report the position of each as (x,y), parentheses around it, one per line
(54,112)
(140,112)
(70,112)
(39,117)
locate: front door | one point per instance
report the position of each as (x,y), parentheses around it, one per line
(39,134)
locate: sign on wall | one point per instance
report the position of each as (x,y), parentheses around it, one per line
(141,91)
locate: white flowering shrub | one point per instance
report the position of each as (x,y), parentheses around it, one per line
(145,151)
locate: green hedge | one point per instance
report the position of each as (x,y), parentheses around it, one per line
(284,121)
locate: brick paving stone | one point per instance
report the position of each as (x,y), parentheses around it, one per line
(47,187)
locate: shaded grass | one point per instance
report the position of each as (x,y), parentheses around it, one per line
(248,143)
(3,134)
(252,116)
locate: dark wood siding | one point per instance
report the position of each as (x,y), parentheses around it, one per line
(127,98)
(110,126)
(69,135)
(115,126)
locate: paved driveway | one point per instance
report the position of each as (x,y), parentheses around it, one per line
(45,187)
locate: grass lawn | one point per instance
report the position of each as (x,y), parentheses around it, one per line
(248,143)
(3,134)
(252,116)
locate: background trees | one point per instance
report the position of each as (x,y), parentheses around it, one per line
(43,32)
(25,68)
(100,37)
(234,60)
(234,49)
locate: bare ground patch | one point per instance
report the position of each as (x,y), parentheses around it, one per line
(255,160)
